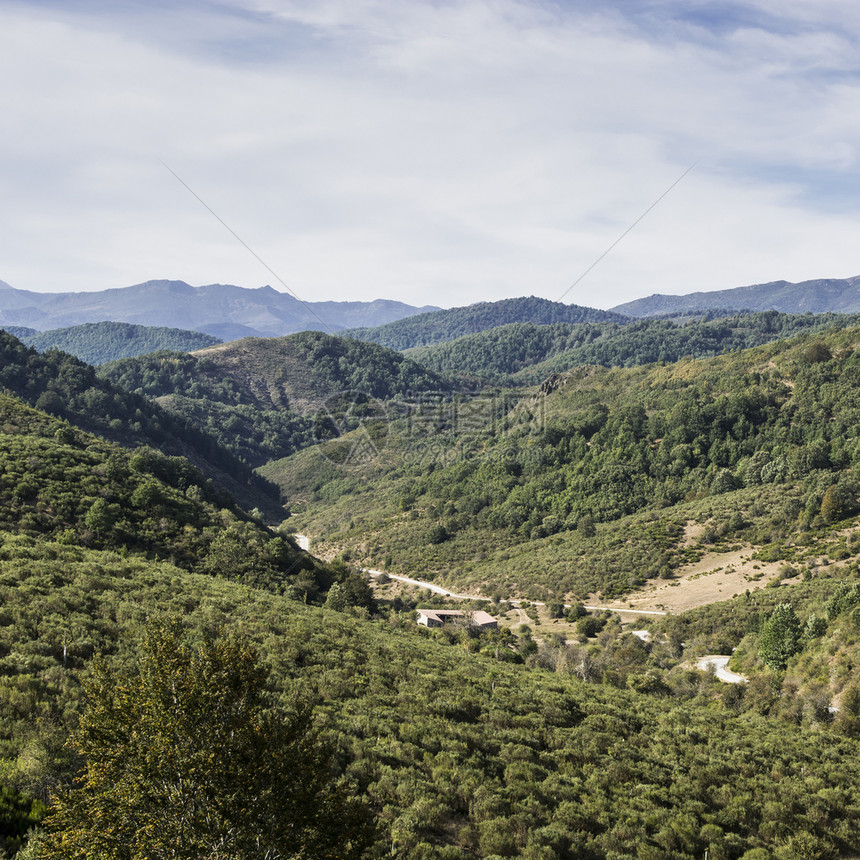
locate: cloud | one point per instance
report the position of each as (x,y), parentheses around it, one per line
(440,152)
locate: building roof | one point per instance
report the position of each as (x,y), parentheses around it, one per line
(478,617)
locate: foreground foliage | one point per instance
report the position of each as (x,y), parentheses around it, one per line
(184,760)
(457,753)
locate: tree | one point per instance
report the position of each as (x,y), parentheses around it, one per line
(780,637)
(184,760)
(437,534)
(336,598)
(99,518)
(838,503)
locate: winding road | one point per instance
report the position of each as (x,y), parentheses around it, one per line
(720,664)
(304,543)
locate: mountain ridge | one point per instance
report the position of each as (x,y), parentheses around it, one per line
(262,311)
(839,295)
(96,343)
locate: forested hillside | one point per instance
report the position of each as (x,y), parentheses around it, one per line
(266,398)
(62,385)
(63,484)
(96,343)
(596,446)
(525,354)
(439,326)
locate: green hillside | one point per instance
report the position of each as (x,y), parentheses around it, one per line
(525,354)
(456,754)
(66,387)
(265,398)
(96,343)
(440,326)
(457,744)
(60,483)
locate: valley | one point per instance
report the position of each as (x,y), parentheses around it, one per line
(629,500)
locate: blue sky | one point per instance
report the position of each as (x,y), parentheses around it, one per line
(433,152)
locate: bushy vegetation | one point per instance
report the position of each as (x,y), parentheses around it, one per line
(457,753)
(184,758)
(96,343)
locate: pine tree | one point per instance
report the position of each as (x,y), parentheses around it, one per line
(780,637)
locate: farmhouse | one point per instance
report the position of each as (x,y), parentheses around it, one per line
(441,617)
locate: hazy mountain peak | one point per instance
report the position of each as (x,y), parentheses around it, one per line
(223,309)
(817,296)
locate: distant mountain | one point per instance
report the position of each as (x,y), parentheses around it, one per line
(441,326)
(20,331)
(96,343)
(817,297)
(212,309)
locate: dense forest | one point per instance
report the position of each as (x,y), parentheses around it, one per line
(440,326)
(96,343)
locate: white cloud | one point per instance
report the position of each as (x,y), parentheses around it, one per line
(432,152)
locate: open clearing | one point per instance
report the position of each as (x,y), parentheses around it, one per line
(716,576)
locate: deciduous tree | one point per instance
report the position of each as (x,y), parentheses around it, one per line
(184,760)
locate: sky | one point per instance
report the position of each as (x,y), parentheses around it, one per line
(441,152)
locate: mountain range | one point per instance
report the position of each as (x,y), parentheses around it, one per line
(818,296)
(230,312)
(225,311)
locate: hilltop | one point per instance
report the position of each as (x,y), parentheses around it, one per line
(97,343)
(267,397)
(439,326)
(526,354)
